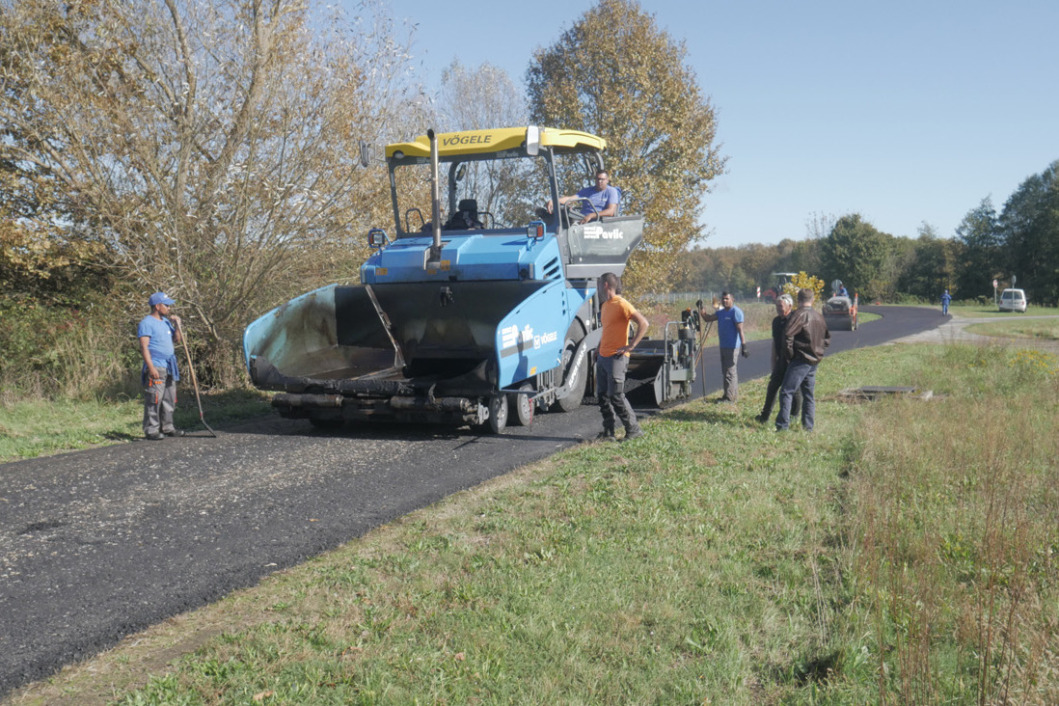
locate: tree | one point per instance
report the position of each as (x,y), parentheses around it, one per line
(210,143)
(45,252)
(979,238)
(43,255)
(479,99)
(819,225)
(617,75)
(924,267)
(855,252)
(1030,227)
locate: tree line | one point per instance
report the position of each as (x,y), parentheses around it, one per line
(1017,247)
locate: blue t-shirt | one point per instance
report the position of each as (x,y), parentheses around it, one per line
(727,336)
(161,347)
(599,199)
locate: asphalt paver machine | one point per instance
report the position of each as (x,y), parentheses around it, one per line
(480,309)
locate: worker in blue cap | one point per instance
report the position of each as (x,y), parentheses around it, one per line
(158,334)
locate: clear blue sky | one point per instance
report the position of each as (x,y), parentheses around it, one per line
(905,112)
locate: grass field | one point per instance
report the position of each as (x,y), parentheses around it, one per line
(905,552)
(990,311)
(29,429)
(1034,329)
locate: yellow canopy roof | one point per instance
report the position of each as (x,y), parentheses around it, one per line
(467,142)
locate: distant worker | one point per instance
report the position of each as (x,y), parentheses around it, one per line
(158,333)
(612,361)
(731,339)
(784,306)
(945,299)
(601,199)
(805,340)
(842,290)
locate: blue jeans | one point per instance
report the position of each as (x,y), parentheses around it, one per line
(801,375)
(772,392)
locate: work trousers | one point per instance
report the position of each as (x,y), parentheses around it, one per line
(801,375)
(729,362)
(775,382)
(610,379)
(159,401)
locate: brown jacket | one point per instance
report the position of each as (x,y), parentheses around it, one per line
(806,335)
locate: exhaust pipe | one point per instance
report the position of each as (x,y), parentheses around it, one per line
(434,261)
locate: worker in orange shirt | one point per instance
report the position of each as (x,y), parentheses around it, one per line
(612,361)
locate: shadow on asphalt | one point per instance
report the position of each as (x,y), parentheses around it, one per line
(377,431)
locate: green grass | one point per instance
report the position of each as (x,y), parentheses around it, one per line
(32,428)
(990,310)
(905,552)
(1035,329)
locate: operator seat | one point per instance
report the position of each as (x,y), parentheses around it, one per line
(466,216)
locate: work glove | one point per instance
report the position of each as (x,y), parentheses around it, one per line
(746,352)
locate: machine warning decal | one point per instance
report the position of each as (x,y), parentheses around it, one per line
(513,341)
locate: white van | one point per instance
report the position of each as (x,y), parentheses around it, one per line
(1012,300)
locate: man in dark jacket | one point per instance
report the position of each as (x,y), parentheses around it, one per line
(784,307)
(805,339)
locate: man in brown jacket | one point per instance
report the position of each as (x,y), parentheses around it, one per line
(806,337)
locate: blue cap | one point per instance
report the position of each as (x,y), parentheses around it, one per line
(160,298)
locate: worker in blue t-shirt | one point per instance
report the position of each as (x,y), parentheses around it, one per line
(601,199)
(945,299)
(731,339)
(158,334)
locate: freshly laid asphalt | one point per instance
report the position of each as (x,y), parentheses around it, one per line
(98,544)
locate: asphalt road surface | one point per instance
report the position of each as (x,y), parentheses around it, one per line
(98,544)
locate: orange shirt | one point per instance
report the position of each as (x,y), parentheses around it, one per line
(616,313)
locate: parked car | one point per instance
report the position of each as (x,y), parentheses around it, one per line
(1012,300)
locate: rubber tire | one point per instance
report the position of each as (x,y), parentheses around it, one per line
(498,410)
(573,399)
(522,405)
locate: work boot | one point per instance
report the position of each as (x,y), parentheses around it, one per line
(153,437)
(634,434)
(606,435)
(762,418)
(175,432)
